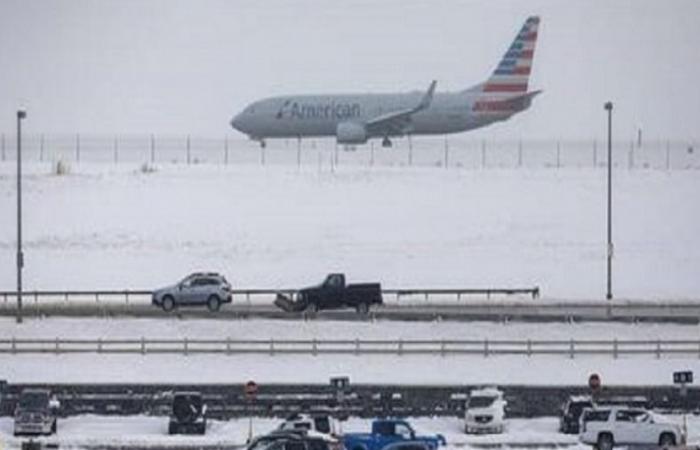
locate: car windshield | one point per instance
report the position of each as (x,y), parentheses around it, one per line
(34,400)
(481,401)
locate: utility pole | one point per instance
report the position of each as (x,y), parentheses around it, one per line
(21,115)
(608,108)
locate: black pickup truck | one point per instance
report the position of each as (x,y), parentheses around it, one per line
(333,293)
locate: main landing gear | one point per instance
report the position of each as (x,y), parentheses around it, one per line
(386,142)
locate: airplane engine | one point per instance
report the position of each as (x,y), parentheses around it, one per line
(351,133)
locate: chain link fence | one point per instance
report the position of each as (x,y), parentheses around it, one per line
(438,152)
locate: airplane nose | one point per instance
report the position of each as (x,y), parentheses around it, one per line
(237,122)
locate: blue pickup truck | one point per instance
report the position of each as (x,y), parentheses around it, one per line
(389,431)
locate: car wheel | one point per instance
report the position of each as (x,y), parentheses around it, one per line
(667,439)
(213,303)
(605,442)
(363,308)
(168,303)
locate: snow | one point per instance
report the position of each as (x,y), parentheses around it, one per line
(105,226)
(145,431)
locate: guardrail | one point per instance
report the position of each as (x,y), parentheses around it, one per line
(128,295)
(486,348)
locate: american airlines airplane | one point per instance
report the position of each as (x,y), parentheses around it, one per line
(355,118)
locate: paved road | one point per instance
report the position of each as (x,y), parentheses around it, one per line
(524,310)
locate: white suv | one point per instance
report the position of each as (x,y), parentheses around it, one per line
(485,411)
(606,428)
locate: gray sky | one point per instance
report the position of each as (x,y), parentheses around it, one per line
(167,66)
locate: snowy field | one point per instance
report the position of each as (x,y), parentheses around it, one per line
(405,369)
(150,431)
(104,226)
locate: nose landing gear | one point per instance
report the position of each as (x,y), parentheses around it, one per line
(386,142)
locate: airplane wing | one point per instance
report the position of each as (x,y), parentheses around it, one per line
(397,121)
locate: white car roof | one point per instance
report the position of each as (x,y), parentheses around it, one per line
(486,392)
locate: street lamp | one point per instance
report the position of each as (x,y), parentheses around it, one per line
(608,108)
(21,114)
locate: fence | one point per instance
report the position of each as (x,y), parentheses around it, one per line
(484,348)
(126,296)
(441,152)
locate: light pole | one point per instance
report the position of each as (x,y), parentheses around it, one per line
(21,114)
(608,108)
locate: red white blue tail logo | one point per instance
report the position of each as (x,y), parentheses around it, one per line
(513,72)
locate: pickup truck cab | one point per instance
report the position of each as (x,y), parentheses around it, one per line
(333,293)
(390,431)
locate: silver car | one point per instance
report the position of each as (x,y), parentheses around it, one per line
(197,289)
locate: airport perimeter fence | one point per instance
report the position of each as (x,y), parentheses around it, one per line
(437,152)
(314,347)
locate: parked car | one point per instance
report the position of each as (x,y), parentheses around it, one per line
(485,411)
(389,431)
(298,439)
(320,423)
(607,427)
(333,293)
(188,414)
(569,422)
(198,289)
(36,413)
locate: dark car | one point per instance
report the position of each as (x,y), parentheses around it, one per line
(36,413)
(569,422)
(333,293)
(294,440)
(188,414)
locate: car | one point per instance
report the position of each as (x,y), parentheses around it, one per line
(333,293)
(485,411)
(36,413)
(390,431)
(188,413)
(298,439)
(570,419)
(607,427)
(198,289)
(320,423)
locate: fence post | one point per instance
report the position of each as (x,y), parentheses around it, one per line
(447,153)
(486,348)
(400,347)
(228,345)
(143,345)
(226,150)
(668,155)
(595,153)
(529,348)
(298,153)
(116,149)
(357,346)
(630,156)
(520,153)
(410,151)
(483,153)
(189,149)
(185,346)
(14,345)
(77,147)
(99,345)
(272,346)
(658,349)
(57,345)
(571,349)
(314,349)
(153,149)
(2,146)
(442,348)
(41,148)
(371,153)
(558,154)
(615,348)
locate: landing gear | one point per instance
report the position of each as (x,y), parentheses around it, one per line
(263,144)
(386,142)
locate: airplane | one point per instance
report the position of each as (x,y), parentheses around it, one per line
(355,118)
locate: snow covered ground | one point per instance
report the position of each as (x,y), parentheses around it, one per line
(106,226)
(406,369)
(149,431)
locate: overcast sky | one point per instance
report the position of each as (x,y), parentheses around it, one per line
(186,67)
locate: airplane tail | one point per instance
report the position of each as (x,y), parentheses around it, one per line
(512,74)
